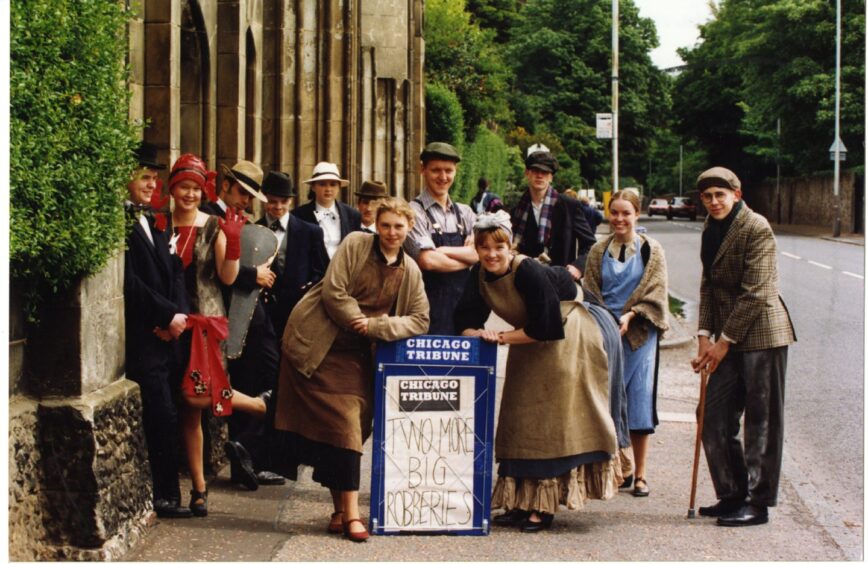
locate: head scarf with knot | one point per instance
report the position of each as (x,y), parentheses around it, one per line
(489,221)
(190,167)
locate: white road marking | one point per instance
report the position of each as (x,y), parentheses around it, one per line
(859,276)
(820,264)
(792,256)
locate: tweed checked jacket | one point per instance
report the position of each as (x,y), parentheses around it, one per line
(739,297)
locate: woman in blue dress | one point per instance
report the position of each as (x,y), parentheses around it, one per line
(627,273)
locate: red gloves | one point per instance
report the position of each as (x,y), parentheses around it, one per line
(231,227)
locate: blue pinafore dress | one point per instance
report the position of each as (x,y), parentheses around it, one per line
(619,281)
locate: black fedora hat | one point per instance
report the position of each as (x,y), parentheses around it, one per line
(278,184)
(146,154)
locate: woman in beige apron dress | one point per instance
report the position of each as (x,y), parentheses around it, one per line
(324,413)
(555,436)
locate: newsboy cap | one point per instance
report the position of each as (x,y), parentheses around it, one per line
(542,160)
(439,150)
(718,177)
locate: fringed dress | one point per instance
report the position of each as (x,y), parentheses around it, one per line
(556,440)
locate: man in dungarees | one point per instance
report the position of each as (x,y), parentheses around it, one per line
(441,241)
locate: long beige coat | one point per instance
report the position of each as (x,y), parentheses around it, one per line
(318,317)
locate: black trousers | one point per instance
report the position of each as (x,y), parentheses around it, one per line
(749,383)
(160,422)
(255,371)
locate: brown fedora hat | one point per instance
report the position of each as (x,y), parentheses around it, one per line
(373,190)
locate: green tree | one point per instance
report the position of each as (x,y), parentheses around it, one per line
(445,117)
(462,57)
(759,62)
(71,143)
(502,16)
(561,56)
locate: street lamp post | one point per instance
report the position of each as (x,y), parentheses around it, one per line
(614,96)
(837,145)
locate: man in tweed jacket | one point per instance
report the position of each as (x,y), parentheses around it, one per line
(741,309)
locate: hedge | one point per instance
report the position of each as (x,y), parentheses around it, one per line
(71,142)
(444,118)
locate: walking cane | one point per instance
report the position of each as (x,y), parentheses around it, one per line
(700,416)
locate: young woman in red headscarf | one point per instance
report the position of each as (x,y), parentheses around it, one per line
(209,248)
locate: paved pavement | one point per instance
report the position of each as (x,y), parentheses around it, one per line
(287,523)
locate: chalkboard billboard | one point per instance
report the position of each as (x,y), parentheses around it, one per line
(433,436)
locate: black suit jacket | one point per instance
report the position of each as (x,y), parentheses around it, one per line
(351,218)
(153,293)
(571,236)
(304,265)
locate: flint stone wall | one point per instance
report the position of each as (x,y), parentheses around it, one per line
(79,485)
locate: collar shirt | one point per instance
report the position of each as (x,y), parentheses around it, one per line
(143,221)
(330,222)
(369,228)
(537,211)
(628,248)
(445,220)
(283,222)
(222,205)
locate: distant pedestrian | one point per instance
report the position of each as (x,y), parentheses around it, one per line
(741,308)
(627,273)
(556,440)
(592,214)
(484,200)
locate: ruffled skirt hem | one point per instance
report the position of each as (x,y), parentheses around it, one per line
(589,481)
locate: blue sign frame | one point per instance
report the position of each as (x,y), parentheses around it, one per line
(423,357)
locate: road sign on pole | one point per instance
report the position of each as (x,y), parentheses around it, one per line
(604,126)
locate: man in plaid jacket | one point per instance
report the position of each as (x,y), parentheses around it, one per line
(741,309)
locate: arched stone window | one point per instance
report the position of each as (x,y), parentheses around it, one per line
(194,73)
(250,113)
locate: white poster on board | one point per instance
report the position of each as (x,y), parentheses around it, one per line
(429,452)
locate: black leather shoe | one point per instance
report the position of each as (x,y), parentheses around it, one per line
(534,527)
(512,518)
(242,467)
(266,478)
(721,508)
(627,483)
(167,509)
(746,516)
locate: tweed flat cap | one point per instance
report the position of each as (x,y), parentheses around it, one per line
(439,150)
(718,177)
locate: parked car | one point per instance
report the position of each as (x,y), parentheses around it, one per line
(681,207)
(659,206)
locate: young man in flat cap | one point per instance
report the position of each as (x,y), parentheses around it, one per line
(368,194)
(741,309)
(441,240)
(548,225)
(155,308)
